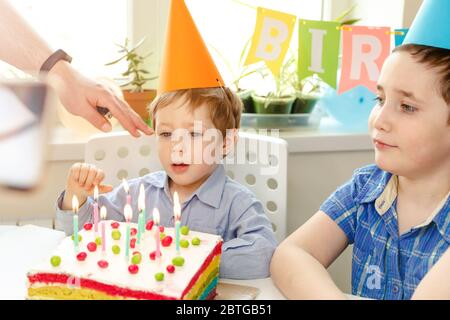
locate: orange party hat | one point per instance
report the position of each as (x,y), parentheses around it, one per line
(186,61)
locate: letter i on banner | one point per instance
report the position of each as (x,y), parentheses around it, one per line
(363,54)
(271,38)
(318,51)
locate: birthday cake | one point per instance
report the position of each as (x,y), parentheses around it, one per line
(101,269)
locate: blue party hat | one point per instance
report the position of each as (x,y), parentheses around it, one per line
(431,26)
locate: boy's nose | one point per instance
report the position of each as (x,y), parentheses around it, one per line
(382,120)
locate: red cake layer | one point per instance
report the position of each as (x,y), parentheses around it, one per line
(113,290)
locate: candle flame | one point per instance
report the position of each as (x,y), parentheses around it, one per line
(141,199)
(75,203)
(176,206)
(128,212)
(103,212)
(95,193)
(156,215)
(125,185)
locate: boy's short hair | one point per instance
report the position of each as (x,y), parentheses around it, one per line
(224,105)
(436,58)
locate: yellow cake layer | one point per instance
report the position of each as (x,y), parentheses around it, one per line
(60,292)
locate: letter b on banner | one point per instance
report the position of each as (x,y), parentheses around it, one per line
(271,38)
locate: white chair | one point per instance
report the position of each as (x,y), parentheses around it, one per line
(258,162)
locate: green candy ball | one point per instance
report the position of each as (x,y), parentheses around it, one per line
(79,238)
(184,243)
(159,276)
(196,241)
(55,261)
(136,259)
(178,261)
(162,235)
(98,241)
(184,230)
(115,234)
(115,249)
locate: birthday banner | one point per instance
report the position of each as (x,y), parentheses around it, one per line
(364,49)
(363,54)
(271,38)
(318,50)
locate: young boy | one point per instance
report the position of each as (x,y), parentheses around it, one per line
(396,213)
(191,110)
(210,201)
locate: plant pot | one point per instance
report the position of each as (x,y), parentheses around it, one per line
(304,103)
(139,101)
(247,101)
(265,105)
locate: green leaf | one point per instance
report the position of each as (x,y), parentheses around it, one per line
(115,61)
(345,13)
(350,22)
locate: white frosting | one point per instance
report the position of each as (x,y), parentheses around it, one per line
(117,272)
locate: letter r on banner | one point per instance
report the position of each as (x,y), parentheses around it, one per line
(364,52)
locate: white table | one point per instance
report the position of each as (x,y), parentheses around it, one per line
(22,247)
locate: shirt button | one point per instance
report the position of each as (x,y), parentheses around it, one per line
(395,289)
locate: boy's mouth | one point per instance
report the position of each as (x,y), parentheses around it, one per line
(381,144)
(179,167)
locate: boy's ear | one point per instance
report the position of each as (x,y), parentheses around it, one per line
(230,141)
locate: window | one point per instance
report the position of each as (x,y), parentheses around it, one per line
(227,25)
(86,29)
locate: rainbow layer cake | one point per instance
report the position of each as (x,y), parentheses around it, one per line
(100,269)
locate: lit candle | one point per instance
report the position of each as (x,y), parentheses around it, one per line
(95,209)
(128,213)
(75,205)
(127,190)
(177,215)
(103,217)
(157,240)
(141,205)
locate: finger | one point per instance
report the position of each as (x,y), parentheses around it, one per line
(96,119)
(104,188)
(119,113)
(137,120)
(75,172)
(99,177)
(90,178)
(83,174)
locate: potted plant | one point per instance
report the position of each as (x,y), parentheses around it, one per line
(281,96)
(133,90)
(243,72)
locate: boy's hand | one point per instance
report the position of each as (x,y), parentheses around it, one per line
(81,180)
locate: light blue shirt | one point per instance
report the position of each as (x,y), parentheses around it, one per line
(220,206)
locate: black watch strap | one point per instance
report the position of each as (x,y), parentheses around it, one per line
(54,58)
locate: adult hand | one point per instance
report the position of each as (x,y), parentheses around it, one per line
(81,95)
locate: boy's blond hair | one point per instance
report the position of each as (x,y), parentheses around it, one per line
(224,105)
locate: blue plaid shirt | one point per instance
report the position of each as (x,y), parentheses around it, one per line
(385,265)
(220,206)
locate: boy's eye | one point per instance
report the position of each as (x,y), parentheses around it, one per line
(408,108)
(196,134)
(379,100)
(165,134)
